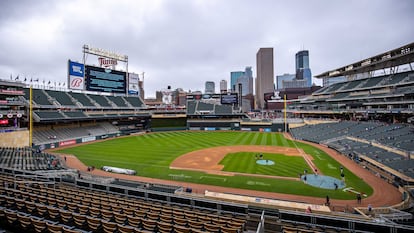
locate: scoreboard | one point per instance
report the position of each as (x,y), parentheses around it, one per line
(105,80)
(229,98)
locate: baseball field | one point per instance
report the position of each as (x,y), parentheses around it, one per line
(247,160)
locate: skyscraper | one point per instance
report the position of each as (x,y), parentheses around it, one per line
(246,81)
(223,86)
(233,79)
(303,71)
(265,75)
(210,87)
(282,79)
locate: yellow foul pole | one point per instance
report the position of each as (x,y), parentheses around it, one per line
(30,116)
(284,103)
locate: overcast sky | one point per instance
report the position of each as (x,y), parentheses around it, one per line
(184,43)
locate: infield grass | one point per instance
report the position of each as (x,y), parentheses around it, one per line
(151,154)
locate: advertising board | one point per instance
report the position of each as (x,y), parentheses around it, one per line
(133,87)
(76,72)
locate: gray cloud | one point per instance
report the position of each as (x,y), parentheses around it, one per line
(184,43)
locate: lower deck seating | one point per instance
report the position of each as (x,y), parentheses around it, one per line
(87,210)
(28,159)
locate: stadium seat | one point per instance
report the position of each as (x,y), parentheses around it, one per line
(109,227)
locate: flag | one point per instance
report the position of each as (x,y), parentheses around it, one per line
(36,80)
(48,83)
(31,79)
(25,79)
(17,78)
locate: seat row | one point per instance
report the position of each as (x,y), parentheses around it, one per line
(21,221)
(97,211)
(122,205)
(107,221)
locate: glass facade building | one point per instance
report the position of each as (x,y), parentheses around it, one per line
(303,72)
(233,79)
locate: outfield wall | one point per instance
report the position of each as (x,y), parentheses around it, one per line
(75,141)
(236,125)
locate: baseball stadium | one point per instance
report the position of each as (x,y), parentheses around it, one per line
(95,157)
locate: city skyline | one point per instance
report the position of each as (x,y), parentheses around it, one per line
(185,43)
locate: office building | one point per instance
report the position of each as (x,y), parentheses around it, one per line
(303,71)
(209,87)
(233,79)
(223,86)
(281,79)
(246,81)
(265,75)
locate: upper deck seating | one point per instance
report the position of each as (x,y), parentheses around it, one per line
(61,97)
(82,98)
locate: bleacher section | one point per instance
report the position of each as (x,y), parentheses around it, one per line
(49,115)
(56,99)
(61,97)
(32,203)
(134,101)
(75,114)
(360,84)
(40,98)
(82,99)
(191,107)
(388,144)
(388,94)
(61,106)
(59,207)
(118,100)
(101,100)
(27,159)
(48,135)
(203,108)
(223,109)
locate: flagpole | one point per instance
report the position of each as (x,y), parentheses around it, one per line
(30,116)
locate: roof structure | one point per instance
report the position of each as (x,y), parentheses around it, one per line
(393,58)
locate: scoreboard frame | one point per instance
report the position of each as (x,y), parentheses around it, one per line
(105,80)
(229,98)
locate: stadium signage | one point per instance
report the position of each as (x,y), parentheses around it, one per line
(133,84)
(76,72)
(15,92)
(105,62)
(89,139)
(103,53)
(67,143)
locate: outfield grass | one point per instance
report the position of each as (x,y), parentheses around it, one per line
(284,165)
(151,154)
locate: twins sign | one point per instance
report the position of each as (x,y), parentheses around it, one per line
(76,73)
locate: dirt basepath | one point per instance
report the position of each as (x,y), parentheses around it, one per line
(384,193)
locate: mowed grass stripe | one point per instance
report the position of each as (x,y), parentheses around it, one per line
(151,154)
(246,162)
